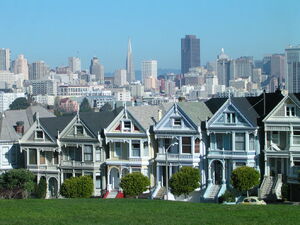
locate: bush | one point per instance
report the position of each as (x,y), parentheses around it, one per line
(134,184)
(77,187)
(186,180)
(244,178)
(16,183)
(285,192)
(19,103)
(228,196)
(41,188)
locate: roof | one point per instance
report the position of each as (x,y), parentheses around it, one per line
(147,115)
(11,117)
(95,121)
(196,111)
(214,104)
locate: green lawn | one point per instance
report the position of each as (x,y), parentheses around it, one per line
(135,211)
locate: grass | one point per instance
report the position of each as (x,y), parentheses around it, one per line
(135,211)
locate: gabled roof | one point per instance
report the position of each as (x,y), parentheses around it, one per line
(196,111)
(11,117)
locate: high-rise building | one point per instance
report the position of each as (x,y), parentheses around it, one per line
(129,64)
(120,77)
(149,69)
(256,76)
(74,64)
(190,53)
(266,64)
(21,66)
(38,71)
(243,67)
(4,59)
(293,68)
(225,68)
(97,69)
(277,66)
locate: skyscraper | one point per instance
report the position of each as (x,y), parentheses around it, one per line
(120,77)
(129,64)
(4,59)
(74,64)
(97,69)
(149,69)
(277,66)
(293,68)
(38,71)
(225,68)
(21,66)
(190,53)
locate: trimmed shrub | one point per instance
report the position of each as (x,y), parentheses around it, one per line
(185,181)
(228,196)
(134,184)
(41,188)
(244,178)
(77,187)
(16,183)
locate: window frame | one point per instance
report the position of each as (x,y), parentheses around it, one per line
(124,128)
(36,134)
(177,121)
(115,149)
(237,141)
(183,145)
(134,142)
(86,154)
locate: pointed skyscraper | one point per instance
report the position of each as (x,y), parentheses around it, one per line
(129,64)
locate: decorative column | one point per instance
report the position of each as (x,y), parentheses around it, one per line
(27,153)
(291,136)
(209,173)
(233,141)
(141,148)
(193,145)
(180,145)
(129,148)
(247,141)
(157,174)
(224,172)
(82,153)
(94,153)
(38,157)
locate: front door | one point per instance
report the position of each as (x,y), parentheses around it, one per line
(217,172)
(114,178)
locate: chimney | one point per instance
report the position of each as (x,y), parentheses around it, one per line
(159,114)
(20,127)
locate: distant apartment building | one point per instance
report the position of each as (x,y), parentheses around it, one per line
(149,69)
(256,76)
(21,66)
(44,87)
(11,80)
(190,53)
(47,100)
(68,105)
(74,64)
(38,71)
(7,98)
(73,90)
(123,95)
(97,69)
(243,67)
(4,59)
(277,66)
(293,68)
(120,77)
(137,90)
(225,68)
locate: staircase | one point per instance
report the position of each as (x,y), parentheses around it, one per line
(160,194)
(112,194)
(265,191)
(214,190)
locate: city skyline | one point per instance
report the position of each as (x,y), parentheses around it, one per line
(68,35)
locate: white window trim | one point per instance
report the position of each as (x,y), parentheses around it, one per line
(177,125)
(35,134)
(126,129)
(132,156)
(115,150)
(290,106)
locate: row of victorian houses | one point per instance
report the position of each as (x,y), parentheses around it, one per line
(215,136)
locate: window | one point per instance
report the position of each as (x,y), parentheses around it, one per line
(230,118)
(290,111)
(275,137)
(98,182)
(135,148)
(197,145)
(88,153)
(251,142)
(118,149)
(39,134)
(42,157)
(32,156)
(239,141)
(98,154)
(146,150)
(296,137)
(177,121)
(55,157)
(126,125)
(219,141)
(79,130)
(167,143)
(186,145)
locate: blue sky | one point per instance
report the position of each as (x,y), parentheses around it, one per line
(52,30)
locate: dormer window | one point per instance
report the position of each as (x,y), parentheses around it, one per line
(230,117)
(39,134)
(177,121)
(79,130)
(290,110)
(126,125)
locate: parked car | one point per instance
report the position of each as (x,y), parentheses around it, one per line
(253,200)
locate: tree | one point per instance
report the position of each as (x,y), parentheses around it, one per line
(85,106)
(77,187)
(106,108)
(186,180)
(16,183)
(19,103)
(134,184)
(244,178)
(41,189)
